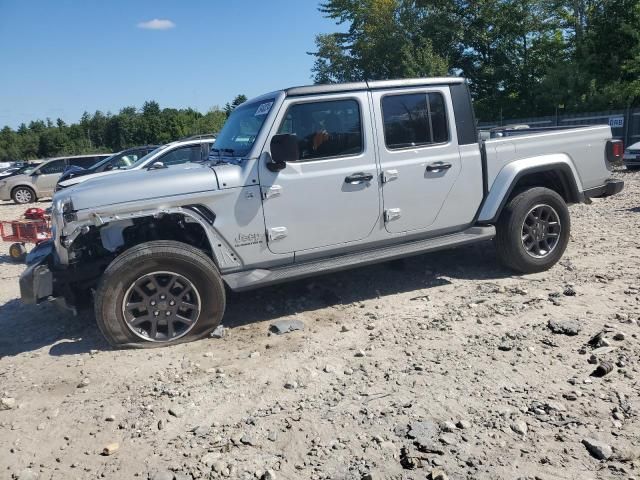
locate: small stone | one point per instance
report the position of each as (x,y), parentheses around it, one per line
(163,475)
(7,403)
(218,466)
(448,439)
(285,326)
(84,383)
(348,371)
(219,332)
(569,291)
(619,336)
(463,424)
(520,427)
(273,436)
(565,327)
(27,474)
(593,360)
(110,449)
(110,418)
(176,410)
(268,475)
(360,354)
(201,430)
(291,385)
(329,369)
(437,474)
(254,354)
(210,458)
(344,329)
(448,426)
(247,439)
(505,346)
(598,450)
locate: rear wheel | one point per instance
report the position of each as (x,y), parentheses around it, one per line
(533,230)
(159,293)
(22,195)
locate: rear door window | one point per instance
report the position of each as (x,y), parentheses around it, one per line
(57,166)
(414,120)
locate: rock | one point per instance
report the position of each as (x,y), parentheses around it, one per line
(210,458)
(110,418)
(285,326)
(219,332)
(448,426)
(83,383)
(598,450)
(505,346)
(291,385)
(273,436)
(565,327)
(268,475)
(619,337)
(176,410)
(162,475)
(569,291)
(448,439)
(603,369)
(27,474)
(110,449)
(463,424)
(201,430)
(218,466)
(344,329)
(520,427)
(437,474)
(247,439)
(254,354)
(425,435)
(7,403)
(360,354)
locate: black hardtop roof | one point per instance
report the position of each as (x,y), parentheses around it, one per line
(370,85)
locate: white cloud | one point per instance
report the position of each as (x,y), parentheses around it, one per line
(157,24)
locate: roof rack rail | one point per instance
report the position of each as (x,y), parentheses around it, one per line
(197,137)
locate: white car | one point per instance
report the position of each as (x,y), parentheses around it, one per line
(631,157)
(194,149)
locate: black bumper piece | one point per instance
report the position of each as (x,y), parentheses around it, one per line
(611,187)
(36,283)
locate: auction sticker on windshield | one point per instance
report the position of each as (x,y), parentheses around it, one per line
(263,109)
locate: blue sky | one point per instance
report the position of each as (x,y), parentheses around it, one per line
(62,57)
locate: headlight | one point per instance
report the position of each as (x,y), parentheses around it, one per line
(68,213)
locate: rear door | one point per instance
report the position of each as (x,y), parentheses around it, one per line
(331,195)
(47,177)
(419,155)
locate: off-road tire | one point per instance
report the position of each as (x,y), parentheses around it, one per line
(23,195)
(145,259)
(510,246)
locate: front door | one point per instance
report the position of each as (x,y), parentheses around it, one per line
(47,176)
(419,155)
(331,195)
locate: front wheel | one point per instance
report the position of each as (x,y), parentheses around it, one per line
(159,293)
(533,230)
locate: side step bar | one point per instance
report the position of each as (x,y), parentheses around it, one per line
(261,278)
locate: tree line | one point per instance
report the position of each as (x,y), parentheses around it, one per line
(108,132)
(522,57)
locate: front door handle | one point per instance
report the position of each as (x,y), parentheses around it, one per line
(358,178)
(438,167)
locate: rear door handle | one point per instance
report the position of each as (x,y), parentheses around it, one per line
(358,178)
(438,167)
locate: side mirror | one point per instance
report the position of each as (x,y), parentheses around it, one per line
(284,148)
(157,165)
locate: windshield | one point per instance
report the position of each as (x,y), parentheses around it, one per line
(142,160)
(241,129)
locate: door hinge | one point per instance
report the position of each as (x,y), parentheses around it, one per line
(272,191)
(276,233)
(392,214)
(389,175)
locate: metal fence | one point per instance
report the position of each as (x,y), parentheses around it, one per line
(625,124)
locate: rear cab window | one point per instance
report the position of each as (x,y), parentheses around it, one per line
(414,120)
(325,129)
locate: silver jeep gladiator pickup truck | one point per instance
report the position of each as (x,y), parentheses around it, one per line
(310,180)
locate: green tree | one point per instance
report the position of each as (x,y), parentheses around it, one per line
(230,107)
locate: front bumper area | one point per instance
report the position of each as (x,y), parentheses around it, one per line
(611,187)
(36,282)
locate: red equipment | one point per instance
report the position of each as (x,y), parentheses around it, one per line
(34,227)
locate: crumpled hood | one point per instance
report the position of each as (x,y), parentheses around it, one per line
(143,184)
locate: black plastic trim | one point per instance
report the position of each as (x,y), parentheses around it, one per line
(611,187)
(203,211)
(463,113)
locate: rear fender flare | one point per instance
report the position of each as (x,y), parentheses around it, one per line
(511,173)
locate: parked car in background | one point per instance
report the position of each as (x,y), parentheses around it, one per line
(17,170)
(631,157)
(120,160)
(40,181)
(174,153)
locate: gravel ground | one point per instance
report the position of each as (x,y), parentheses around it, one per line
(441,366)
